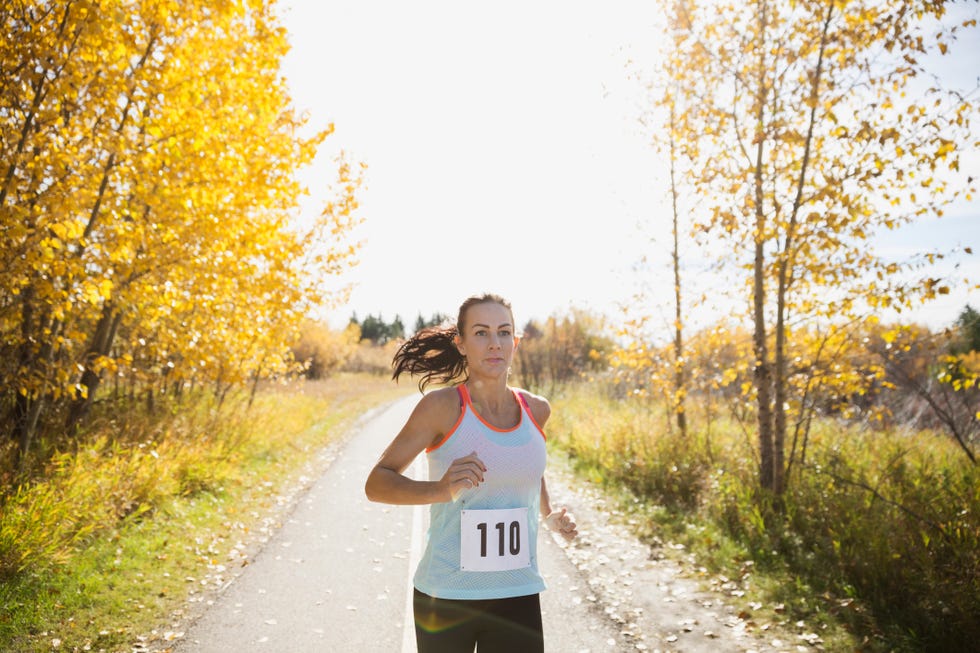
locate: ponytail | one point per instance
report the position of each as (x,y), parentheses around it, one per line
(430,354)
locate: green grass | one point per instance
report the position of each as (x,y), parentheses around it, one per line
(153,513)
(115,591)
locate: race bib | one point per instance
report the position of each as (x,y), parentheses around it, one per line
(494,540)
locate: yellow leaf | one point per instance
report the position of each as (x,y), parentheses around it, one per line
(91,294)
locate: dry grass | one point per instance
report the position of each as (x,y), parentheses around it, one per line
(95,550)
(877,538)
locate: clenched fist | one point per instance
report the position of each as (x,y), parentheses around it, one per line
(561,522)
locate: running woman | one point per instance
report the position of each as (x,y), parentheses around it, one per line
(477,583)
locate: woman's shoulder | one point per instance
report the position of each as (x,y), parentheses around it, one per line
(448,395)
(441,405)
(539,406)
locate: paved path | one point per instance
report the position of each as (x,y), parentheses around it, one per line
(336,576)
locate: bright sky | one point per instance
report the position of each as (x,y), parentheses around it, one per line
(506,153)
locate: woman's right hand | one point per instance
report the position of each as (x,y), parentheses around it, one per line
(464,473)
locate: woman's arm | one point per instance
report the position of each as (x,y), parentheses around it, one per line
(557,520)
(433,416)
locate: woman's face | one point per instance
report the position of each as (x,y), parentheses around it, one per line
(487,339)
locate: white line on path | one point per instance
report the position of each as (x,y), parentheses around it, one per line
(414,554)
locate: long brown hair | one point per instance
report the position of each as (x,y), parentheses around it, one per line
(431,354)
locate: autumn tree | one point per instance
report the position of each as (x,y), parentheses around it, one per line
(679,390)
(323,350)
(635,355)
(813,128)
(148,193)
(562,349)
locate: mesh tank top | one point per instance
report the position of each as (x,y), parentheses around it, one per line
(483,545)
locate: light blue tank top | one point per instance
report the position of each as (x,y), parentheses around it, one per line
(515,461)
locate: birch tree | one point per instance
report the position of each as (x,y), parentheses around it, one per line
(812,128)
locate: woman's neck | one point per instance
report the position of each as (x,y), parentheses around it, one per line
(495,404)
(490,395)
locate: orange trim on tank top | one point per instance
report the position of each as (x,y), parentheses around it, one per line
(459,420)
(469,402)
(465,400)
(527,409)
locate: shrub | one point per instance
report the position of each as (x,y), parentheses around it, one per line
(882,527)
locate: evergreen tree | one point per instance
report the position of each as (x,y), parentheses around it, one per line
(374,329)
(968,327)
(396,329)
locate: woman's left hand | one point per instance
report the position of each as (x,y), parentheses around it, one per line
(561,522)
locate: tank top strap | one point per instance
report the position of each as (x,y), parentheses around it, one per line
(466,400)
(527,410)
(521,399)
(464,396)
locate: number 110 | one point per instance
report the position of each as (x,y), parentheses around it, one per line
(514,543)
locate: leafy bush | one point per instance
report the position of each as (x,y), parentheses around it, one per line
(323,351)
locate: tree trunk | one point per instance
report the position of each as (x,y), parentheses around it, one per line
(762,377)
(763,370)
(786,263)
(100,345)
(255,389)
(29,404)
(781,394)
(680,386)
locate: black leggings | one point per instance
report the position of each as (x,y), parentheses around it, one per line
(493,625)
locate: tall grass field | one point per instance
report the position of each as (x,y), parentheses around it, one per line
(876,542)
(875,545)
